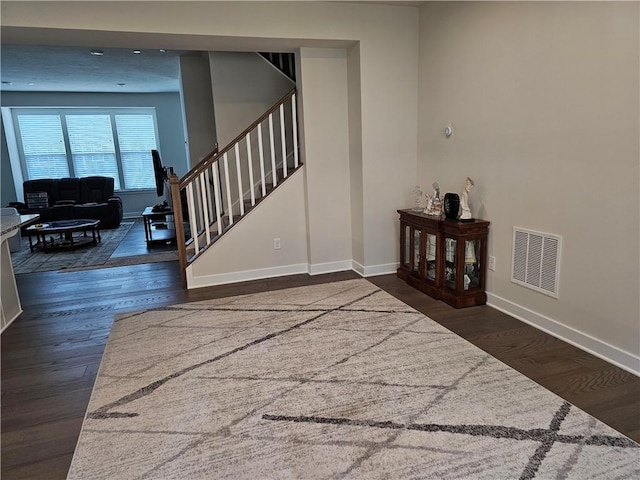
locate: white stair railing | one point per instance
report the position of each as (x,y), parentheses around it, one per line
(213,196)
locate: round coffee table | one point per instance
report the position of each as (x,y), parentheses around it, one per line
(65,230)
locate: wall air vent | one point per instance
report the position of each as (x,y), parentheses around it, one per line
(536,260)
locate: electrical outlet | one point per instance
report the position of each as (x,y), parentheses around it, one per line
(492,264)
(276,244)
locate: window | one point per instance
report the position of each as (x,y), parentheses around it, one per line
(93,151)
(115,143)
(136,136)
(43,159)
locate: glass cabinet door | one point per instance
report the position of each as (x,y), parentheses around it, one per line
(406,247)
(431,256)
(444,259)
(450,246)
(417,237)
(472,267)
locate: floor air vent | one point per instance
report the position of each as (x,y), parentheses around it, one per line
(536,260)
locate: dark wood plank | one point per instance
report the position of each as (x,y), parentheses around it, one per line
(51,354)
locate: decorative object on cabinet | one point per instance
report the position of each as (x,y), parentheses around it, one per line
(444,258)
(434,202)
(451,205)
(465,214)
(418,196)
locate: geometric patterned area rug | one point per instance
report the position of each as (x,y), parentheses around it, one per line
(168,256)
(332,381)
(26,261)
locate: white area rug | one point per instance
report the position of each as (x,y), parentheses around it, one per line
(333,381)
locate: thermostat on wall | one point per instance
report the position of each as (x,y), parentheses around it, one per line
(448,131)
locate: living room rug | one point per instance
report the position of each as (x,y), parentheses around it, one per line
(332,381)
(168,256)
(26,261)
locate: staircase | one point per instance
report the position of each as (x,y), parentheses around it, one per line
(285,62)
(227,184)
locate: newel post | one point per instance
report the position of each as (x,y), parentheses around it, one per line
(176,200)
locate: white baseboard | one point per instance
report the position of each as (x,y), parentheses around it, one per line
(246,275)
(316,269)
(373,270)
(583,341)
(329,267)
(357,267)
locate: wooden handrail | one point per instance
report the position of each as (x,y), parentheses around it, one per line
(205,163)
(174,185)
(202,164)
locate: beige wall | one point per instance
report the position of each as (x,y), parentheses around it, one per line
(325,144)
(389,78)
(355,157)
(544,101)
(247,251)
(244,86)
(197,104)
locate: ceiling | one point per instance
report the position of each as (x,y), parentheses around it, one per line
(34,68)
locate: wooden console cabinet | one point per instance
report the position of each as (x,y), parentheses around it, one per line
(444,258)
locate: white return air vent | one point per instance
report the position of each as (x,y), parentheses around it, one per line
(536,260)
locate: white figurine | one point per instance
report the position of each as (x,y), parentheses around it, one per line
(434,203)
(429,206)
(436,191)
(418,193)
(464,200)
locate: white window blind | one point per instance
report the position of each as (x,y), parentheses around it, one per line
(45,155)
(81,142)
(137,137)
(92,148)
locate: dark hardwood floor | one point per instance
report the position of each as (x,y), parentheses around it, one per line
(51,354)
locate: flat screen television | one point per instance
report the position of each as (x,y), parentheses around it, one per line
(159,172)
(161,175)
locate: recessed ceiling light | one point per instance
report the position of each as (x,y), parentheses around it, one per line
(137,52)
(97,53)
(162,50)
(7,83)
(31,84)
(121,84)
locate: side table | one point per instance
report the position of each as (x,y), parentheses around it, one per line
(159,225)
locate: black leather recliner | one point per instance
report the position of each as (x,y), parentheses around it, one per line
(72,198)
